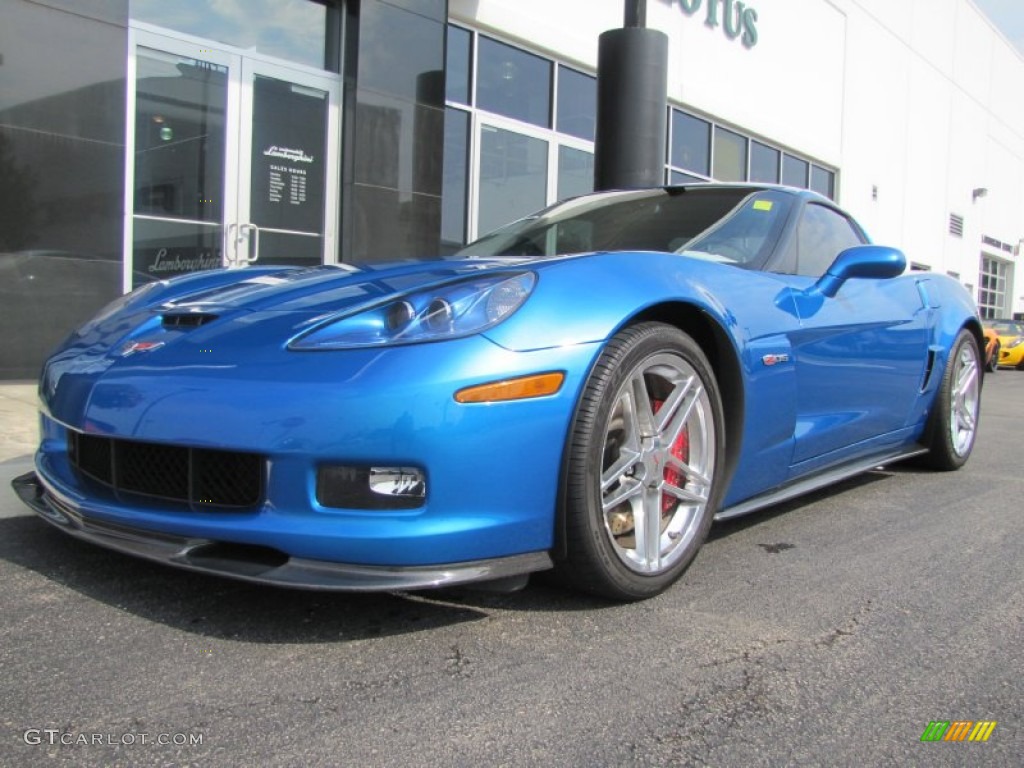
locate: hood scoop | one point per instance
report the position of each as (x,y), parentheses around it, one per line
(185,320)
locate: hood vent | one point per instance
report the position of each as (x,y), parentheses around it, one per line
(185,320)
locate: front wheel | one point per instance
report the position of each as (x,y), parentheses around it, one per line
(953,424)
(644,460)
(993,364)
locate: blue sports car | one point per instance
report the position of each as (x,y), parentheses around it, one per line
(585,389)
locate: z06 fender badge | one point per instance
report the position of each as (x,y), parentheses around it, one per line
(771,360)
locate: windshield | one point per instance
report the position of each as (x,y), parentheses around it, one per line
(1008,329)
(732,225)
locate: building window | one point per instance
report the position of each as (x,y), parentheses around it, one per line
(794,171)
(730,155)
(513,83)
(700,150)
(577,103)
(690,143)
(678,177)
(455,183)
(823,182)
(294,30)
(764,163)
(513,176)
(457,65)
(575,172)
(993,278)
(519,131)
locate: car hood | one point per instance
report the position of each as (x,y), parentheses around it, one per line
(318,290)
(225,324)
(254,305)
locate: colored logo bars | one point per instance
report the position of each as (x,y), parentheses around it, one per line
(958,730)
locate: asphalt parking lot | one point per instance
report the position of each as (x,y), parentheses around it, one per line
(829,631)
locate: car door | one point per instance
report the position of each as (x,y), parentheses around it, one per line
(860,355)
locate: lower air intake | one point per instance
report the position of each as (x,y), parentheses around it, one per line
(198,477)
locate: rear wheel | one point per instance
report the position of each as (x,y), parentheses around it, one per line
(953,424)
(645,455)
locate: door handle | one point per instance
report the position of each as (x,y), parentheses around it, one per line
(245,232)
(230,245)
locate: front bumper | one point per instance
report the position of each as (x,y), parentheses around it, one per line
(1011,357)
(264,565)
(492,469)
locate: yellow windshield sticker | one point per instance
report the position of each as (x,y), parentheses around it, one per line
(762,205)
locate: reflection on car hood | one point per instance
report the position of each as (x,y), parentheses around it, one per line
(323,289)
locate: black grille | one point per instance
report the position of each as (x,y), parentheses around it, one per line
(199,477)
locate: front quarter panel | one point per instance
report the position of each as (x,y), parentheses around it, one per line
(588,300)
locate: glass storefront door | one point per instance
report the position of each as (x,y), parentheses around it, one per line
(232,159)
(284,189)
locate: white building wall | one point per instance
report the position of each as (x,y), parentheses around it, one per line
(786,88)
(877,82)
(924,226)
(567,29)
(915,102)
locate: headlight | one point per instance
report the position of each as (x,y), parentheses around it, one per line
(444,312)
(1016,342)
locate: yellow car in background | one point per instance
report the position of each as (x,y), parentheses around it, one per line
(1011,342)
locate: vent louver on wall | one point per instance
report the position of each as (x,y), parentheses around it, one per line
(956,225)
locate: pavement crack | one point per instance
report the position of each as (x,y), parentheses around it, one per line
(847,629)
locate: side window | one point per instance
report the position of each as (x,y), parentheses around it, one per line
(822,234)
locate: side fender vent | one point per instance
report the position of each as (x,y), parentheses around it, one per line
(929,368)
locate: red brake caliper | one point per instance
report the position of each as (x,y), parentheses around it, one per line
(673,476)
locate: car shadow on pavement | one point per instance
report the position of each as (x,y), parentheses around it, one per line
(728,527)
(218,607)
(223,608)
(212,606)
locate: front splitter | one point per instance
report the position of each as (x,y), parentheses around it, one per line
(263,565)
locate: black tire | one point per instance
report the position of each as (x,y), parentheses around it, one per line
(993,364)
(623,458)
(953,423)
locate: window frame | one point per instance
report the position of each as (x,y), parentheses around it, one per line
(794,246)
(480,118)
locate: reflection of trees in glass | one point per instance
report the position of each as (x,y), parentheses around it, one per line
(17,206)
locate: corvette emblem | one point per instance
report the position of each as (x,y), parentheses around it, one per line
(138,346)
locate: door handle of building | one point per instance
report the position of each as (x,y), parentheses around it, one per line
(250,232)
(231,245)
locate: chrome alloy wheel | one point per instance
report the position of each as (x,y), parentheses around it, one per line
(658,463)
(965,399)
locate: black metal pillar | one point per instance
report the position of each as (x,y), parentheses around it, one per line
(632,86)
(635,13)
